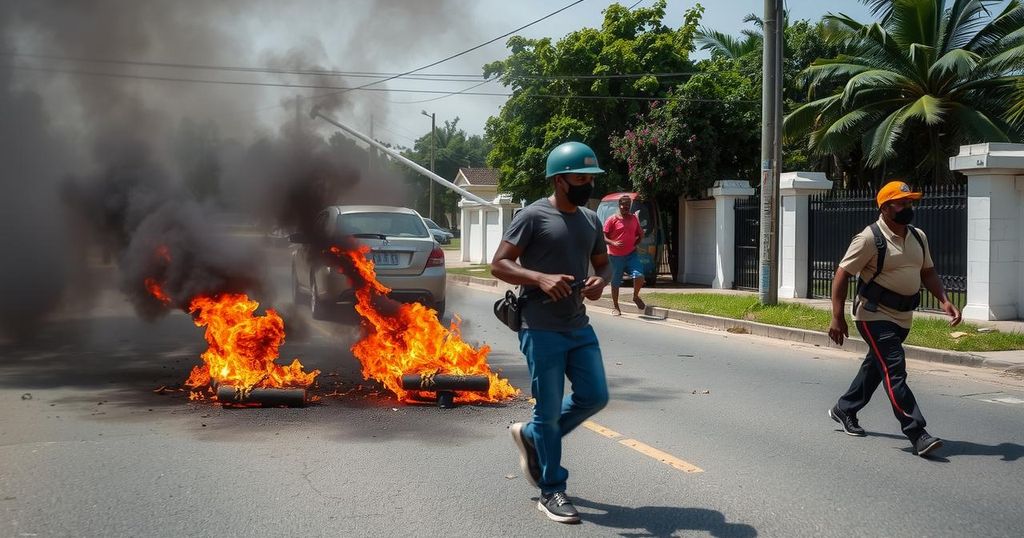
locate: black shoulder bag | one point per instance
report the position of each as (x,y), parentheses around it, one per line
(508,310)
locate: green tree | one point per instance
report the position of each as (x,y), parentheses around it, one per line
(568,90)
(913,86)
(708,130)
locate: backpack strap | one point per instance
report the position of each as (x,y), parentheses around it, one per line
(916,236)
(880,245)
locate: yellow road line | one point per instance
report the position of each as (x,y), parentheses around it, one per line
(643,448)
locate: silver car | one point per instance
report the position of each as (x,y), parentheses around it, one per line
(405,255)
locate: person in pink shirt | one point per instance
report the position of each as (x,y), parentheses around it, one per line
(622,232)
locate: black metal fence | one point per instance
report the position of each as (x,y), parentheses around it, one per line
(836,216)
(747,240)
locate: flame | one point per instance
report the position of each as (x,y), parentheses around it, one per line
(413,341)
(156,291)
(243,347)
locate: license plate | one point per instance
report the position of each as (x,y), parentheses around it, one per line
(385,258)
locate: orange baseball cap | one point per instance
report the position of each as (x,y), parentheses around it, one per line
(896,190)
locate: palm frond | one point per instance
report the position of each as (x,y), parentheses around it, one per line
(929,109)
(875,79)
(1008,21)
(806,117)
(914,21)
(965,19)
(976,126)
(884,137)
(957,62)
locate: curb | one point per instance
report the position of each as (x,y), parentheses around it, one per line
(819,339)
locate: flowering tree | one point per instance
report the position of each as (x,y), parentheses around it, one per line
(705,131)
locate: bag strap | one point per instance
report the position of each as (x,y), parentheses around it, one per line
(919,241)
(880,246)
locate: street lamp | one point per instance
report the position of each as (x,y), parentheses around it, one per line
(433,146)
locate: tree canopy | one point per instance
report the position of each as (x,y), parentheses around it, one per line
(587,86)
(928,76)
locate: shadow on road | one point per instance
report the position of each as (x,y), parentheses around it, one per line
(953,447)
(662,521)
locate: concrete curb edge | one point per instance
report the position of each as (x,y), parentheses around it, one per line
(853,344)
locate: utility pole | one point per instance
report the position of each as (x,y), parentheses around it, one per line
(771,152)
(433,148)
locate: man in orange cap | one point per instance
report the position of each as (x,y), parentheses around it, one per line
(892,259)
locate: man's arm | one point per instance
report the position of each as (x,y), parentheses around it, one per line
(504,266)
(932,282)
(607,238)
(838,329)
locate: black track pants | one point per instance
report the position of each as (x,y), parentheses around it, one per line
(884,364)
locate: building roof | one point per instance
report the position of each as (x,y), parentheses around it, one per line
(480,176)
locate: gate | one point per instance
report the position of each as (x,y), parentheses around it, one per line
(836,216)
(747,251)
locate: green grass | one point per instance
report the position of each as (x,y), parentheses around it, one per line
(482,271)
(456,244)
(927,332)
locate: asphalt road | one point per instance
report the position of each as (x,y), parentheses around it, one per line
(90,447)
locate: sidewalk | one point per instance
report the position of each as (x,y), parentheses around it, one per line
(1003,360)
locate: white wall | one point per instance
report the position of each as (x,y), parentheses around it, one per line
(474,233)
(1020,248)
(699,245)
(493,232)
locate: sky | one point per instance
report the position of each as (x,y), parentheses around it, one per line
(402,123)
(389,36)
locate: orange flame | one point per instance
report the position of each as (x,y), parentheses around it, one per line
(413,341)
(156,291)
(243,347)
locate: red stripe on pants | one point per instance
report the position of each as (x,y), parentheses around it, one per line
(885,369)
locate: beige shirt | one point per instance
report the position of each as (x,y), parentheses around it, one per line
(904,260)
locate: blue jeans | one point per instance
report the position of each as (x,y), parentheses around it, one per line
(553,356)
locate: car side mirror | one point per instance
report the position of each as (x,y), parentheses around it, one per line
(298,237)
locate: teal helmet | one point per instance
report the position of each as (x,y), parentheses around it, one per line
(572,158)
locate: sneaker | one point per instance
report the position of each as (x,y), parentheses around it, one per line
(849,423)
(558,508)
(527,454)
(926,444)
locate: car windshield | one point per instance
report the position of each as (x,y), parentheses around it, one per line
(642,210)
(389,224)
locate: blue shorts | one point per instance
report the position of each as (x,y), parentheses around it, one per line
(630,264)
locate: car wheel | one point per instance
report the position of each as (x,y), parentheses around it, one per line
(316,307)
(439,306)
(297,296)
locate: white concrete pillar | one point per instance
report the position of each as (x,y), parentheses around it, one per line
(465,234)
(995,250)
(725,194)
(681,234)
(795,190)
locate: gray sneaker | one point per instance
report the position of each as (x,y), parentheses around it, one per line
(558,508)
(926,444)
(527,454)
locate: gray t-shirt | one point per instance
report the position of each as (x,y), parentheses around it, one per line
(554,242)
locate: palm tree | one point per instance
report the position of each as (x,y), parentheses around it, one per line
(915,85)
(733,47)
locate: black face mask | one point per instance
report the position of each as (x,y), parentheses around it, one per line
(904,216)
(579,194)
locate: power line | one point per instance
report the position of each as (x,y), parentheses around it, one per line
(103,74)
(429,77)
(549,15)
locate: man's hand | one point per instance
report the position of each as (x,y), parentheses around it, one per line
(838,329)
(555,286)
(594,287)
(953,312)
(614,242)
